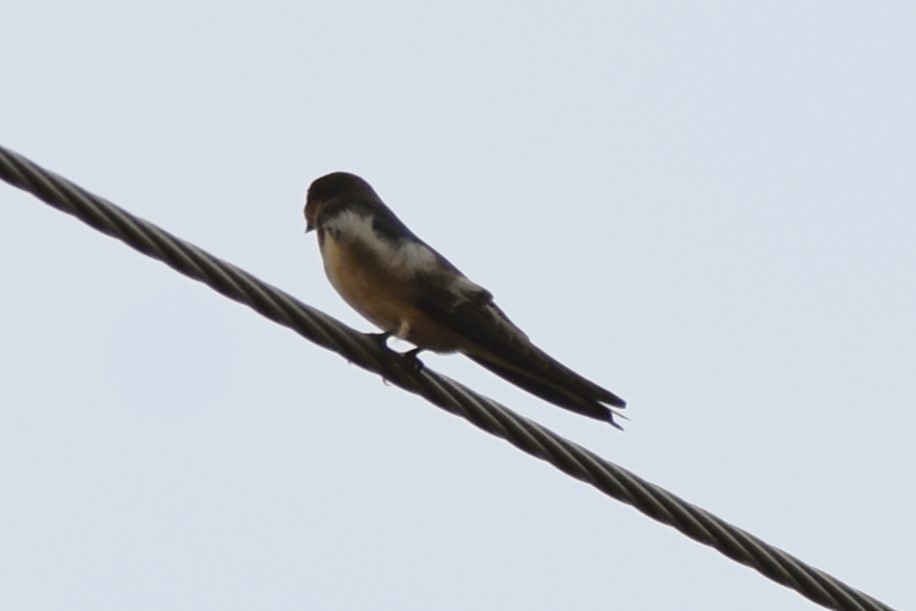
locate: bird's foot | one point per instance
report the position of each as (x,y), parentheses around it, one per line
(411,357)
(380,338)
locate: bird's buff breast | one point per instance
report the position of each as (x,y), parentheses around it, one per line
(381,295)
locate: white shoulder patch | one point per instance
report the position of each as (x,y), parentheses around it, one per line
(405,258)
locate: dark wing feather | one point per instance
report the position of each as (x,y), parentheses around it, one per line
(505,350)
(549,392)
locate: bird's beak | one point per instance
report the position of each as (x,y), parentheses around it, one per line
(309,218)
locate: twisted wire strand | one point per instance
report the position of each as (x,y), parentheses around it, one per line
(488,415)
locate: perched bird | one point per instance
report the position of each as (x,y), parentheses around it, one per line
(407,289)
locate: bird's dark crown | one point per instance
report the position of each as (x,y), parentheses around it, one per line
(335,188)
(338,184)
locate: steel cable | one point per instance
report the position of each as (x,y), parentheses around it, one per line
(370,354)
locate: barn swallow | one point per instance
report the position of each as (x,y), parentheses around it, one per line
(408,290)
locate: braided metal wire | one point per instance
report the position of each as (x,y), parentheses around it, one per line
(368,353)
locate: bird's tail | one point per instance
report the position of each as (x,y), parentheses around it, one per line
(552,381)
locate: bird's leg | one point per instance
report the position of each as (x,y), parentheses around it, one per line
(380,338)
(411,357)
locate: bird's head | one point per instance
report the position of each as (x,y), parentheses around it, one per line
(328,195)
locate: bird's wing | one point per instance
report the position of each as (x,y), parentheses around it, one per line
(497,344)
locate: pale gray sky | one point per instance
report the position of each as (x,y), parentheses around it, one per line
(708,207)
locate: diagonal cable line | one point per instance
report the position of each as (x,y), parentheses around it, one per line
(488,415)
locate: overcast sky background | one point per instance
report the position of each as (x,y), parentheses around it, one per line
(708,207)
